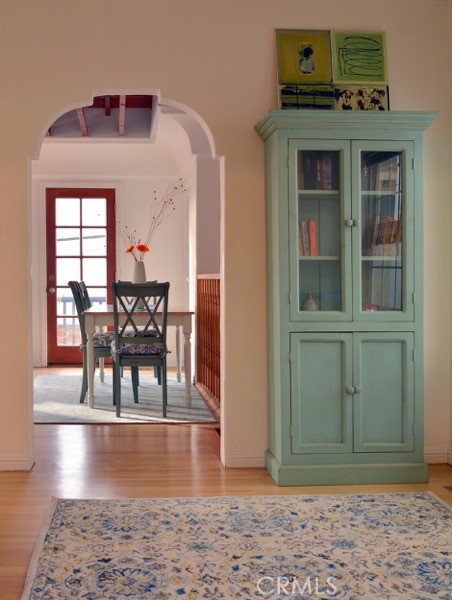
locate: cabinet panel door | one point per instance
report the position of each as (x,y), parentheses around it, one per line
(319,243)
(321,369)
(383,370)
(382,240)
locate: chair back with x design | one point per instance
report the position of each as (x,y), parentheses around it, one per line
(140,336)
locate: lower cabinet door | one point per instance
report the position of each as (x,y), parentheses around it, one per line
(321,407)
(383,403)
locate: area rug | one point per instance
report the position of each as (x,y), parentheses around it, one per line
(362,546)
(56,400)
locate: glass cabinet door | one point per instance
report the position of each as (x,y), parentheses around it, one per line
(383,237)
(320,244)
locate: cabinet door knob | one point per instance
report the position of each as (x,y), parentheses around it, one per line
(348,223)
(357,389)
(350,389)
(355,222)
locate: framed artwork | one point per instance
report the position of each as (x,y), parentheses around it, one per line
(358,56)
(326,70)
(304,57)
(357,97)
(306,96)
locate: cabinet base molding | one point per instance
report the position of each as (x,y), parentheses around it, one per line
(16,463)
(345,474)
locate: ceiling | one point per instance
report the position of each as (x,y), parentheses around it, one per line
(108,117)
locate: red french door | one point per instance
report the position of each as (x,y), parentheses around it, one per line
(81,247)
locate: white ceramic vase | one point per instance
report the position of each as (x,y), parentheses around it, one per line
(139,272)
(310,303)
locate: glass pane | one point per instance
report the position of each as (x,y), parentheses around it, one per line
(68,332)
(319,231)
(320,285)
(381,231)
(97,295)
(67,211)
(65,302)
(318,170)
(67,242)
(94,211)
(94,242)
(95,271)
(382,284)
(67,269)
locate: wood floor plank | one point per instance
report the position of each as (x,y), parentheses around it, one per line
(133,461)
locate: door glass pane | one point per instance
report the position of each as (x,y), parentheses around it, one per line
(94,211)
(382,258)
(319,231)
(97,295)
(65,302)
(68,331)
(67,211)
(95,271)
(67,241)
(67,269)
(94,242)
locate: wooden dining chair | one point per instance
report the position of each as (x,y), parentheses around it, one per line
(102,341)
(147,346)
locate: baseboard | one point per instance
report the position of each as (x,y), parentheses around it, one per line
(449,457)
(435,456)
(243,461)
(16,463)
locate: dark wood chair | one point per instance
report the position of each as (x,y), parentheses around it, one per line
(102,341)
(136,344)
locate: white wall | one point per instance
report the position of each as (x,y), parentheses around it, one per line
(218,58)
(135,170)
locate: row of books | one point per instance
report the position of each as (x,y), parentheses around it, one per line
(318,170)
(307,238)
(383,238)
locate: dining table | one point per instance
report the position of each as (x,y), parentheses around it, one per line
(102,315)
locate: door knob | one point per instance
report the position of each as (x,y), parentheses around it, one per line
(51,290)
(357,389)
(348,222)
(350,389)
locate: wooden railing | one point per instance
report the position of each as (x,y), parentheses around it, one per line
(208,340)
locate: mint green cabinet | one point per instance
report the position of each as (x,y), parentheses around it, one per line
(344,277)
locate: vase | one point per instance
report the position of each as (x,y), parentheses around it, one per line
(139,272)
(310,303)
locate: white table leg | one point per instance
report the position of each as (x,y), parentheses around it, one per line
(187,365)
(90,368)
(179,373)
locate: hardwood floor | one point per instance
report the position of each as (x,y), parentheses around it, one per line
(113,461)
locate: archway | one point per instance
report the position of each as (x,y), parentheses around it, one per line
(173,126)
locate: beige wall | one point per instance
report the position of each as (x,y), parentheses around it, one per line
(217,57)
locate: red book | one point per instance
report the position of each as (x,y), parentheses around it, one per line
(312,234)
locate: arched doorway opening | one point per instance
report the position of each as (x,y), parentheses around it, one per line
(171,142)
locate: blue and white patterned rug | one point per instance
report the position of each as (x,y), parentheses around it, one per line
(362,546)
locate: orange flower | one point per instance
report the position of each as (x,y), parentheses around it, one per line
(142,248)
(130,249)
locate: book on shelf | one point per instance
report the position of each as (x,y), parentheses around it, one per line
(307,238)
(300,240)
(386,238)
(312,234)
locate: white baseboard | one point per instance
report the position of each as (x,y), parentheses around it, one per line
(434,456)
(243,461)
(16,463)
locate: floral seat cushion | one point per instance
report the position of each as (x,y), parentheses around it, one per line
(157,349)
(103,339)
